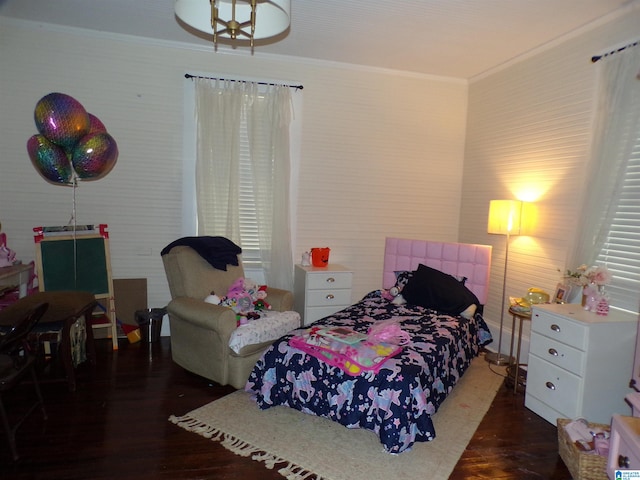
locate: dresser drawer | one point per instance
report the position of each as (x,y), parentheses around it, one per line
(557,353)
(332,280)
(624,445)
(324,298)
(560,329)
(559,389)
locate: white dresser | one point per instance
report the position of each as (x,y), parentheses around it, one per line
(580,363)
(319,292)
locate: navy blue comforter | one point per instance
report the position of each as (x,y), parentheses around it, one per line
(398,401)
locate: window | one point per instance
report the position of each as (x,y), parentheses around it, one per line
(621,250)
(240,162)
(610,224)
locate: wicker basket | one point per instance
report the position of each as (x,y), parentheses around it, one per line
(582,465)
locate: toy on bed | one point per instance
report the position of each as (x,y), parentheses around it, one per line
(396,399)
(394,294)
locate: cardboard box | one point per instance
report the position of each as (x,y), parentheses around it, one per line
(130,296)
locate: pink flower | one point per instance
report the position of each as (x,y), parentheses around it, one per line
(583,275)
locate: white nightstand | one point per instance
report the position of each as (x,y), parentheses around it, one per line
(319,292)
(580,363)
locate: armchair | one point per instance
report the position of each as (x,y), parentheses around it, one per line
(200,331)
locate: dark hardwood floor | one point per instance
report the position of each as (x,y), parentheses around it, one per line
(115,426)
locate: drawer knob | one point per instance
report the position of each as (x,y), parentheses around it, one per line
(623,461)
(555,328)
(331,280)
(330,296)
(550,386)
(553,351)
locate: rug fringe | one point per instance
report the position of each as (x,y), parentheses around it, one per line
(195,426)
(294,472)
(290,471)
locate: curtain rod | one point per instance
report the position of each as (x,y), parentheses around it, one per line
(595,58)
(297,87)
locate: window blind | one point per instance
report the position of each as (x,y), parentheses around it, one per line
(621,250)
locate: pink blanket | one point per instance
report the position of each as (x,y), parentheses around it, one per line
(350,351)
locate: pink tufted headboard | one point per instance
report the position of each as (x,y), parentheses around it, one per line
(458,259)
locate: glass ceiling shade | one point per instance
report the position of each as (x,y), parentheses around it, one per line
(271,16)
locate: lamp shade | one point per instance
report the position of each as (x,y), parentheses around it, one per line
(272,16)
(505,217)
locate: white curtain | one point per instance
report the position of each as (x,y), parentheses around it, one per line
(616,127)
(222,109)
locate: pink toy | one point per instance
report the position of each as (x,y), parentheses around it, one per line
(7,256)
(388,331)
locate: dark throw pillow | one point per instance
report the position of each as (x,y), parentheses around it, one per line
(431,288)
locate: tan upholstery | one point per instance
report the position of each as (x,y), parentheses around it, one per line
(200,331)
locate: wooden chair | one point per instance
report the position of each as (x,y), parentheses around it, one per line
(16,362)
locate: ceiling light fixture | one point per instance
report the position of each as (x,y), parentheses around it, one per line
(236,19)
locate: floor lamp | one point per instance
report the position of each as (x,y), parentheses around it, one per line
(504,219)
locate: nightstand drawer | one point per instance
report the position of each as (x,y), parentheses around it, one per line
(316,313)
(560,329)
(557,353)
(332,280)
(554,386)
(324,298)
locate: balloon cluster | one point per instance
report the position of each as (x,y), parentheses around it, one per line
(72,144)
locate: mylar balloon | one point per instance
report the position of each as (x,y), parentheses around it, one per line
(49,160)
(62,119)
(94,156)
(95,125)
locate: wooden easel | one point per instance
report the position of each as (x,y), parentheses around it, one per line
(78,258)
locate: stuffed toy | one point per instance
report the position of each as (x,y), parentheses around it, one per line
(7,256)
(394,294)
(250,287)
(213,298)
(239,299)
(260,303)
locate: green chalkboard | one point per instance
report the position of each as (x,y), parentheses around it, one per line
(75,264)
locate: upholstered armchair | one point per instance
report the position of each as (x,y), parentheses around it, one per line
(200,331)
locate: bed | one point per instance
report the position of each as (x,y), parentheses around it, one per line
(396,397)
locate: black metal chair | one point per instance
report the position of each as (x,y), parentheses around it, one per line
(16,362)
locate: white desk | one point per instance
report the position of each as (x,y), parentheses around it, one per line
(16,275)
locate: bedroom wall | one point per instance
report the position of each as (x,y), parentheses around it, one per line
(381,152)
(528,135)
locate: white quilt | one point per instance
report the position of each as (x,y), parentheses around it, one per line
(270,326)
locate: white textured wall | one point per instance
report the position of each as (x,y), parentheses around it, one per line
(528,135)
(381,152)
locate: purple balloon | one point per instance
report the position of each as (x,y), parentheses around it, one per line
(49,160)
(95,125)
(94,156)
(62,119)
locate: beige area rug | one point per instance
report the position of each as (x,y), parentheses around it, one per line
(307,447)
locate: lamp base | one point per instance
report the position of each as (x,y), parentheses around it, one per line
(499,359)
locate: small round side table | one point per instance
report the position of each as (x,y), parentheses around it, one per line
(514,374)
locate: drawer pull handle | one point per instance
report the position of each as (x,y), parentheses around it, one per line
(550,386)
(555,328)
(331,280)
(553,351)
(330,296)
(623,461)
